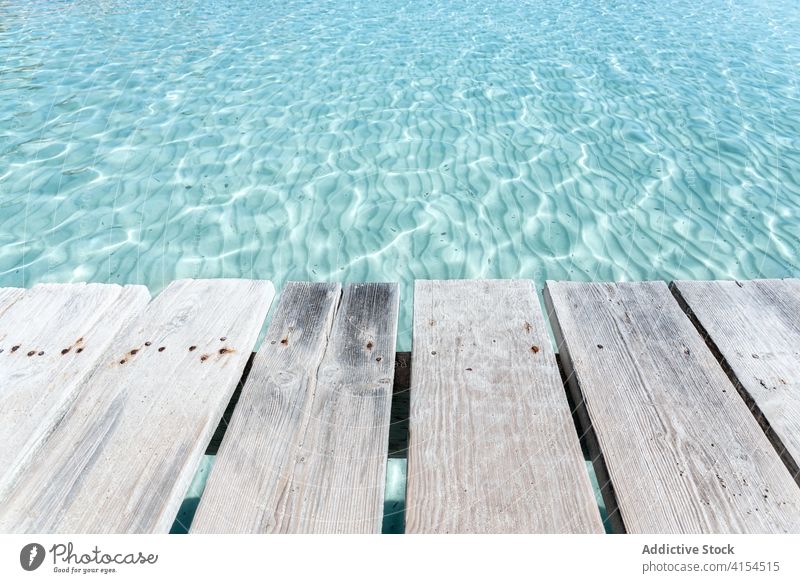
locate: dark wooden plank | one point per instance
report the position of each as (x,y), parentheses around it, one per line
(398,428)
(492,445)
(681,448)
(306,449)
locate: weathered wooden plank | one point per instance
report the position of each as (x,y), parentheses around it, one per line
(51,339)
(9,295)
(682,450)
(755,327)
(123,455)
(306,449)
(257,453)
(492,445)
(346,440)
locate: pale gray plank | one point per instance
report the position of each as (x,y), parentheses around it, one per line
(492,445)
(306,449)
(51,339)
(123,456)
(755,327)
(9,295)
(682,450)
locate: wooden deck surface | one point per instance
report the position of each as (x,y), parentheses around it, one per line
(755,326)
(492,445)
(53,336)
(686,403)
(683,451)
(306,450)
(122,457)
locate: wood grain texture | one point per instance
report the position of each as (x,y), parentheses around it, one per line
(124,454)
(492,445)
(9,295)
(755,327)
(51,339)
(307,446)
(681,448)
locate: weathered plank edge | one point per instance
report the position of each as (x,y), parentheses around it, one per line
(398,427)
(586,431)
(777,443)
(183,482)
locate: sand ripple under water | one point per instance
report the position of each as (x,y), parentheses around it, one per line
(144,141)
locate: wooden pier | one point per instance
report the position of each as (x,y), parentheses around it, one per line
(685,397)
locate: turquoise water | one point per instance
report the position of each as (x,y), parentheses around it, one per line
(143,141)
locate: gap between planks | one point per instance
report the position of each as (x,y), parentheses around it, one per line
(753,330)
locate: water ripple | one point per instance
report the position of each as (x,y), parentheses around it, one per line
(394,140)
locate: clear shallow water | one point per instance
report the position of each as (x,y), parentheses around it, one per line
(145,141)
